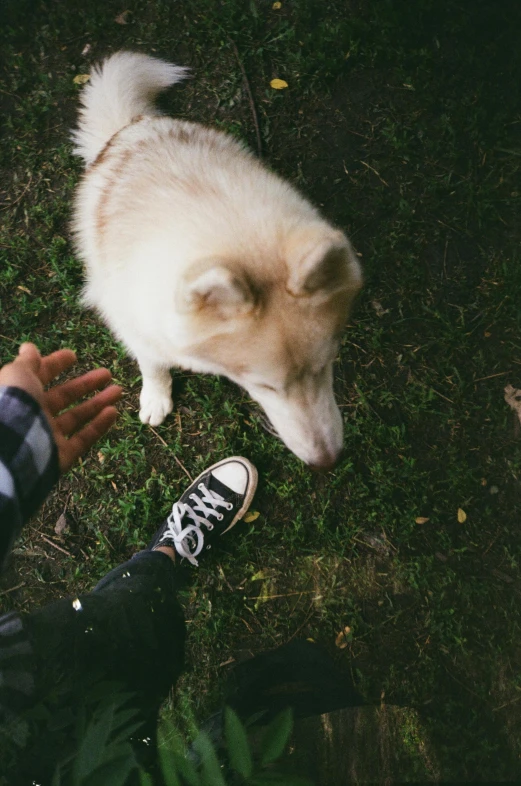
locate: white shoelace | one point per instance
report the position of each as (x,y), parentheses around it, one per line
(183,536)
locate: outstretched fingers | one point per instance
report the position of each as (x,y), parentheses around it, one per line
(83,440)
(77,417)
(55,364)
(62,396)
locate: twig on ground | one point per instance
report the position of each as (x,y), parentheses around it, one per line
(380,178)
(281,595)
(177,461)
(250,97)
(492,542)
(160,438)
(226,662)
(221,573)
(491,376)
(55,545)
(20,197)
(308,617)
(12,589)
(506,704)
(182,466)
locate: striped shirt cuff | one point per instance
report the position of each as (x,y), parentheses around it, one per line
(28,462)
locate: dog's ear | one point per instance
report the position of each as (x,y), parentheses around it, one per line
(320,267)
(217,289)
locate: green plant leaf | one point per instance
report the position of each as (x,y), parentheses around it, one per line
(93,744)
(237,744)
(276,736)
(210,767)
(276,779)
(169,769)
(114,772)
(145,779)
(187,770)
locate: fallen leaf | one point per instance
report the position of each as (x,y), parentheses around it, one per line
(24,289)
(421,520)
(60,525)
(265,593)
(121,19)
(343,637)
(114,485)
(513,399)
(278,84)
(380,310)
(251,516)
(80,79)
(276,6)
(86,49)
(462,516)
(340,641)
(101,457)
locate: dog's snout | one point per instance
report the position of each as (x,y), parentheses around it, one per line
(327,461)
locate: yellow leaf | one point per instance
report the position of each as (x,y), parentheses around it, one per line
(265,593)
(343,637)
(24,289)
(421,520)
(80,79)
(278,84)
(121,19)
(462,516)
(251,516)
(340,641)
(276,6)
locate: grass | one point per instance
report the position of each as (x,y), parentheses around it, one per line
(403,122)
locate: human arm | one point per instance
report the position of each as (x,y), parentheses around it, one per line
(38,440)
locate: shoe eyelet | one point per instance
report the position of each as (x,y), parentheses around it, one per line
(210,527)
(229,505)
(220,517)
(200,487)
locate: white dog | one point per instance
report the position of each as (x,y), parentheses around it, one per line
(197,256)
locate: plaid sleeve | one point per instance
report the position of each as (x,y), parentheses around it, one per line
(28,462)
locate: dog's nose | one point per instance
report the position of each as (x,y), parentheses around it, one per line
(327,462)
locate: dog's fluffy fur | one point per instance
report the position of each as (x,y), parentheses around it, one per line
(198,256)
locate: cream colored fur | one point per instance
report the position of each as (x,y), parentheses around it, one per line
(197,256)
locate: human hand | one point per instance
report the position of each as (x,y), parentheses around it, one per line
(77,429)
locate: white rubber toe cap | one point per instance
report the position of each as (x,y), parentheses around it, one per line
(232,474)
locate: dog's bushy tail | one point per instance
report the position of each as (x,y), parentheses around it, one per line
(119,89)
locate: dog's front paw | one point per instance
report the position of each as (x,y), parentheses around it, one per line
(155,406)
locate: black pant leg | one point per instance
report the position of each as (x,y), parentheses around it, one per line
(125,640)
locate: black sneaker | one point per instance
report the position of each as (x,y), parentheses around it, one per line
(215,501)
